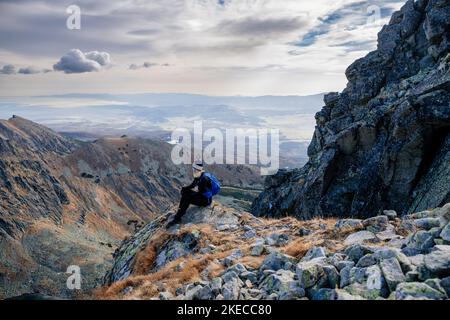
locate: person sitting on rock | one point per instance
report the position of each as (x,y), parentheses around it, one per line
(207,186)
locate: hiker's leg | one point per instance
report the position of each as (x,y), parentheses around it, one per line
(199,200)
(184,204)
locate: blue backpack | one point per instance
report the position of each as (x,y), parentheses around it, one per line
(215,185)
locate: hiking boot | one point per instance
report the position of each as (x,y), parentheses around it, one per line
(172,223)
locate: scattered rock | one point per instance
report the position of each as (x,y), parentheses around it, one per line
(392,273)
(345,225)
(359,237)
(417,290)
(376,224)
(391,214)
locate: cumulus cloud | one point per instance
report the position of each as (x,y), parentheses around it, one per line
(75,61)
(8,69)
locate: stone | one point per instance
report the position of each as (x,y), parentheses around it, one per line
(276,261)
(376,224)
(311,273)
(392,273)
(281,282)
(407,227)
(345,225)
(277,239)
(229,275)
(391,214)
(359,237)
(419,242)
(204,293)
(302,232)
(436,284)
(332,276)
(387,253)
(335,258)
(427,223)
(231,290)
(250,234)
(445,284)
(417,290)
(357,251)
(166,296)
(238,268)
(445,233)
(216,285)
(366,261)
(257,250)
(192,292)
(249,275)
(230,260)
(436,264)
(346,263)
(375,282)
(315,252)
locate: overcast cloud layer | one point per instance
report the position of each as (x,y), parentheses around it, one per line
(220,47)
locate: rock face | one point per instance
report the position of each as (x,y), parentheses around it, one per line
(384,142)
(210,257)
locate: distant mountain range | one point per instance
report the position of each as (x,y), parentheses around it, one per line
(156,115)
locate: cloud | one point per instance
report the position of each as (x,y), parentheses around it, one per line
(348,17)
(11,69)
(76,61)
(252,26)
(8,69)
(29,70)
(147,65)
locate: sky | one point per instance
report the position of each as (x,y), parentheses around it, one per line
(211,47)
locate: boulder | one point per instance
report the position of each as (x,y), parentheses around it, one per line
(345,225)
(419,242)
(445,234)
(257,250)
(417,290)
(276,261)
(315,252)
(392,273)
(445,284)
(436,264)
(427,223)
(231,289)
(391,214)
(283,284)
(376,224)
(216,285)
(359,237)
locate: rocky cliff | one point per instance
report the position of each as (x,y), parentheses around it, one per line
(384,142)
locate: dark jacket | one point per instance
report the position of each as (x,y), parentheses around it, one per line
(203,183)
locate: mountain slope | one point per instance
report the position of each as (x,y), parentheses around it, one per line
(65,202)
(384,142)
(220,253)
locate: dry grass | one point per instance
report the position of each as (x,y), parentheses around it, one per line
(148,285)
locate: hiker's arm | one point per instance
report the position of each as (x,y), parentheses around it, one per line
(192,185)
